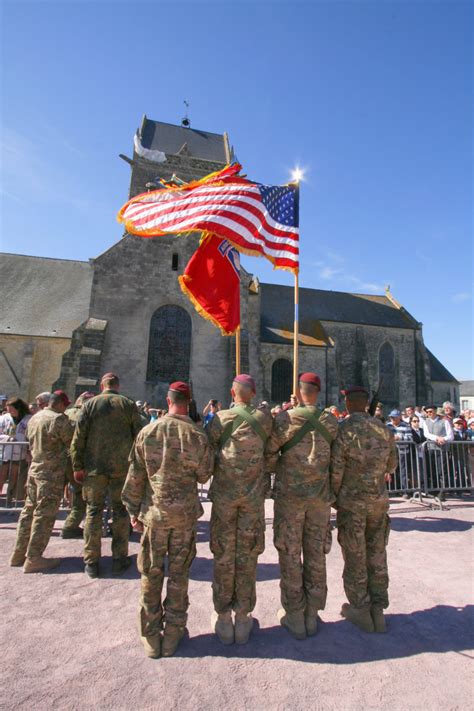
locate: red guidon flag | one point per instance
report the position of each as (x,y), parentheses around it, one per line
(260,220)
(211,281)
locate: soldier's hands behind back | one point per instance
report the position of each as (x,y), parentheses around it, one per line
(79,477)
(136,524)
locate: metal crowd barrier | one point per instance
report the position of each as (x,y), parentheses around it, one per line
(14,463)
(431,471)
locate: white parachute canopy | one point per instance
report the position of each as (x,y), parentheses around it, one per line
(155,156)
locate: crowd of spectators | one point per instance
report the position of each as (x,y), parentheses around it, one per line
(416,425)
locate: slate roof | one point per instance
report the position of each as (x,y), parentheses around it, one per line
(43,296)
(318,305)
(467,388)
(439,374)
(169,138)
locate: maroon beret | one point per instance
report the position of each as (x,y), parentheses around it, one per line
(354,389)
(180,387)
(63,396)
(245,379)
(311,379)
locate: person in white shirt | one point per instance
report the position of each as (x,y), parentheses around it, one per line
(437,429)
(439,432)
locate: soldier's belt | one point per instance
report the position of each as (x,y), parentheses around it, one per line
(243,415)
(312,423)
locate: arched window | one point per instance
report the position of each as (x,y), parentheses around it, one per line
(169,349)
(282,380)
(388,392)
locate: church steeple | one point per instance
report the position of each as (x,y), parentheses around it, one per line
(163,149)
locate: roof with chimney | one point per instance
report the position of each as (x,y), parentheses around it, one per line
(316,305)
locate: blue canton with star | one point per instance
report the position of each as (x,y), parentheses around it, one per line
(280,201)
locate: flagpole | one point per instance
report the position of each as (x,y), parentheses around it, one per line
(296,184)
(295,337)
(237,351)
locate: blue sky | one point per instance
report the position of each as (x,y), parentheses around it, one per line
(373,99)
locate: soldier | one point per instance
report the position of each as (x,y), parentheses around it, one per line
(169,458)
(238,514)
(104,434)
(71,528)
(363,457)
(49,434)
(299,451)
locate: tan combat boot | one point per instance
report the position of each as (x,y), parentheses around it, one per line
(223,626)
(172,636)
(359,617)
(311,621)
(17,559)
(294,623)
(152,646)
(38,564)
(243,628)
(378,619)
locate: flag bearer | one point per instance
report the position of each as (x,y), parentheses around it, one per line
(299,451)
(239,436)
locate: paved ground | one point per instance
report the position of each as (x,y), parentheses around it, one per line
(71,643)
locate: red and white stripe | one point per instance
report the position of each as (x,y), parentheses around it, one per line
(232,211)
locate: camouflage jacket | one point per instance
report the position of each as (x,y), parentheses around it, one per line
(169,458)
(73,414)
(239,470)
(49,434)
(104,434)
(363,452)
(303,471)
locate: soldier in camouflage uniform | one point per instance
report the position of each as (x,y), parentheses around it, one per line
(169,458)
(71,528)
(299,451)
(237,492)
(104,435)
(49,434)
(363,457)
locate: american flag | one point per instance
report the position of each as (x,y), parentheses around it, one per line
(256,219)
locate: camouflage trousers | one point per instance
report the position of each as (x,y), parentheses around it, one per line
(78,509)
(300,535)
(363,537)
(38,515)
(95,492)
(237,539)
(157,543)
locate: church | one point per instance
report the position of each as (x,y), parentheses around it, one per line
(66,322)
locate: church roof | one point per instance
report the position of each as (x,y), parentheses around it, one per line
(43,296)
(467,388)
(168,138)
(439,374)
(318,305)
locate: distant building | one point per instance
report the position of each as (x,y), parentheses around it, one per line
(68,322)
(466,394)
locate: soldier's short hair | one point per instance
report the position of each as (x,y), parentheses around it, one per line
(177,398)
(358,396)
(110,379)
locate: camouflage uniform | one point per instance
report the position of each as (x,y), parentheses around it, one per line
(103,438)
(363,452)
(238,509)
(169,457)
(303,500)
(78,508)
(49,434)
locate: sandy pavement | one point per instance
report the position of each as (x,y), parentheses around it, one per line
(69,642)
